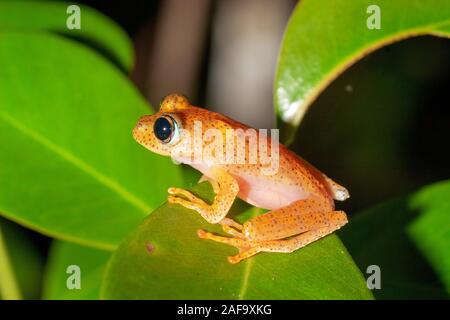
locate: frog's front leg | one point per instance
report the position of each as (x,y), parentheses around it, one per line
(226,189)
(284,230)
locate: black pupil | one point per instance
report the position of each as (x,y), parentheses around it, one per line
(163,129)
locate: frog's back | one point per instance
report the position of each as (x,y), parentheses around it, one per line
(294,178)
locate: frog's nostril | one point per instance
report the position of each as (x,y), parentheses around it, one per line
(138,131)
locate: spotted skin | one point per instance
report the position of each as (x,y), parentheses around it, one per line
(300,197)
(318,228)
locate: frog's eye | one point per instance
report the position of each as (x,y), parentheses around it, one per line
(166,129)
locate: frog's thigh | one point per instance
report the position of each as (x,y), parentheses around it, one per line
(298,217)
(335,221)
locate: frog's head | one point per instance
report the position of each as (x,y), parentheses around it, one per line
(162,131)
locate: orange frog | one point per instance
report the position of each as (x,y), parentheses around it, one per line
(299,196)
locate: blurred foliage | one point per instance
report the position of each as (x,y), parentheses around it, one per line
(378,129)
(319,44)
(23,260)
(88,181)
(408,238)
(98,30)
(92,263)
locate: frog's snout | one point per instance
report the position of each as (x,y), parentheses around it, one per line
(144,134)
(142,129)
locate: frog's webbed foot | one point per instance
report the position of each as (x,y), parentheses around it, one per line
(190,201)
(282,230)
(246,248)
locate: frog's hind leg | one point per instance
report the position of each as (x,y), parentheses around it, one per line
(282,230)
(295,218)
(336,220)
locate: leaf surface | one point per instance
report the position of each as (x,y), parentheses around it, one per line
(96,29)
(164,259)
(69,167)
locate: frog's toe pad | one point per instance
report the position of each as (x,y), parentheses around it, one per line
(201,234)
(233,259)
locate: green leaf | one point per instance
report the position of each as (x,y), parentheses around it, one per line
(431,230)
(323,39)
(96,29)
(91,263)
(408,238)
(21,263)
(164,259)
(69,167)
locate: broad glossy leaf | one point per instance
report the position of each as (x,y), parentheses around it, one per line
(96,29)
(69,167)
(91,263)
(323,38)
(21,263)
(431,230)
(408,238)
(164,259)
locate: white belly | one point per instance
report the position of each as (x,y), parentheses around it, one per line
(268,194)
(261,191)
